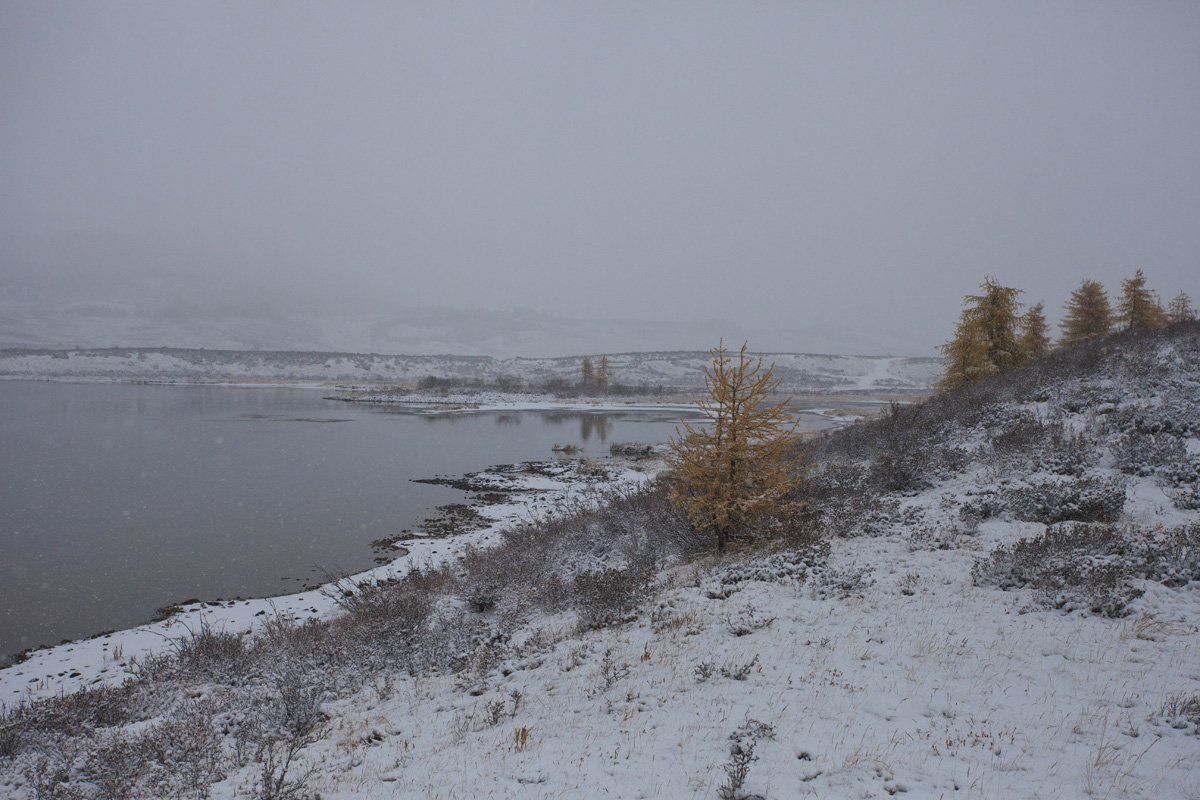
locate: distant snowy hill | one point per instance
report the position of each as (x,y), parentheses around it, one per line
(800,372)
(102,290)
(94,322)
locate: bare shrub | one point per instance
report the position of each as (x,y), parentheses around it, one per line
(742,743)
(117,765)
(32,724)
(609,596)
(1016,438)
(10,739)
(741,756)
(207,652)
(387,608)
(901,471)
(739,672)
(49,772)
(937,535)
(1019,564)
(383,626)
(666,619)
(1063,452)
(553,562)
(631,449)
(611,670)
(1091,566)
(299,706)
(188,748)
(276,757)
(1174,413)
(482,597)
(855,513)
(276,728)
(1102,589)
(492,712)
(747,621)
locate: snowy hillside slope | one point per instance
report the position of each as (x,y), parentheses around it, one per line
(993,594)
(683,370)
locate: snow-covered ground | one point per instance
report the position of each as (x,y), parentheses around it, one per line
(881,658)
(927,687)
(885,670)
(482,401)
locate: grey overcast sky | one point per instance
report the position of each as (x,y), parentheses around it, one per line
(848,167)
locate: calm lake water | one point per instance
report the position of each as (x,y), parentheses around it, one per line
(118,499)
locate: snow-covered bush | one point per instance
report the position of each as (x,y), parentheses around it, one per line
(1021,563)
(1093,498)
(482,596)
(840,501)
(1020,440)
(1139,453)
(609,596)
(1175,414)
(208,652)
(1014,433)
(842,583)
(792,565)
(1103,589)
(1062,452)
(1072,566)
(1187,497)
(1172,558)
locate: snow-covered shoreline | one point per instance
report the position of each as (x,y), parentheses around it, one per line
(107,658)
(482,401)
(801,373)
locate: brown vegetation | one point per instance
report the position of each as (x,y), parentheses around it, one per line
(739,470)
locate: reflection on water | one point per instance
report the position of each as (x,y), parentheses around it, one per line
(593,425)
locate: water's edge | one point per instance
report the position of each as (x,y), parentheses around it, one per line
(532,489)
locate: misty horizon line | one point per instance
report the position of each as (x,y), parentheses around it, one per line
(64,348)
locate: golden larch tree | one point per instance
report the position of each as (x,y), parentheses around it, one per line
(1087,314)
(737,471)
(966,354)
(1180,309)
(1035,336)
(1139,306)
(999,316)
(603,374)
(986,338)
(587,373)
